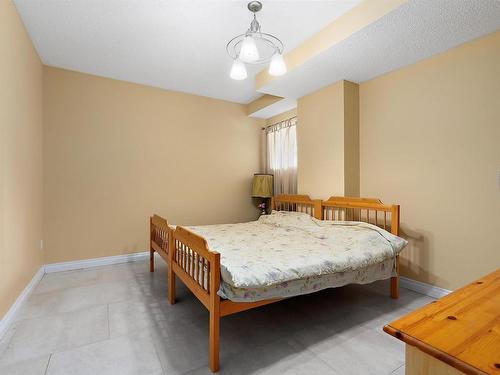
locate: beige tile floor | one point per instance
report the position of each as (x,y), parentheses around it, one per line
(116,320)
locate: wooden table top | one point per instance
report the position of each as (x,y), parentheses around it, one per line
(461,329)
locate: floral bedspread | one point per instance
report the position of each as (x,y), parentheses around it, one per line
(287,248)
(379,271)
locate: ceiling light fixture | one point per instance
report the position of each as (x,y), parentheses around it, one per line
(255,47)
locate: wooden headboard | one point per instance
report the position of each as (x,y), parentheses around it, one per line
(297,203)
(368,210)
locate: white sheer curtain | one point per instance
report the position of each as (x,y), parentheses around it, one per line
(282,155)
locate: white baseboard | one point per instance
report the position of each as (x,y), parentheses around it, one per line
(9,316)
(95,262)
(423,288)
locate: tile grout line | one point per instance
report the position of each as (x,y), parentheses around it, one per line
(48,363)
(153,341)
(86,344)
(396,369)
(9,340)
(125,299)
(109,329)
(56,314)
(90,284)
(108,336)
(317,357)
(79,346)
(62,350)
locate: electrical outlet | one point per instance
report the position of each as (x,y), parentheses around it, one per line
(41,244)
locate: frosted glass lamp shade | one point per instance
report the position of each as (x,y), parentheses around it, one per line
(277,66)
(262,186)
(238,71)
(249,51)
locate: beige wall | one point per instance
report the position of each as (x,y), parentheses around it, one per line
(320,142)
(430,141)
(116,152)
(20,157)
(327,142)
(351,139)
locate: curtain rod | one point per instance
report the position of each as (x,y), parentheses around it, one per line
(279,122)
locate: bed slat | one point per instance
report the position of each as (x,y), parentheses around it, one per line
(298,203)
(367,210)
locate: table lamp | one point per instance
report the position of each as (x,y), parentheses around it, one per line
(262,187)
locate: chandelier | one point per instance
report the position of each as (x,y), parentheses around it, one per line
(255,47)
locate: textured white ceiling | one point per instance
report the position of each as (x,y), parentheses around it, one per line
(416,30)
(172,44)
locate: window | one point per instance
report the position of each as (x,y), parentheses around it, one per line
(282,155)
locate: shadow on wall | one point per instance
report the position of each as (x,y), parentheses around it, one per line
(414,260)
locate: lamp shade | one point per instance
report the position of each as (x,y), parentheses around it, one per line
(262,186)
(238,71)
(249,51)
(277,66)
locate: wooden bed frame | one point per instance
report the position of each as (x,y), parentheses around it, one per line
(199,268)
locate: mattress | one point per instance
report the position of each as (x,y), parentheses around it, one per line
(285,254)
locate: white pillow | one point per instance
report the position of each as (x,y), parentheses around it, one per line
(287,219)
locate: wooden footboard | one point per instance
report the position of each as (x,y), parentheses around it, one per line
(159,238)
(195,264)
(199,269)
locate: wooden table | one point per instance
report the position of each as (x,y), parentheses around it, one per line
(457,334)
